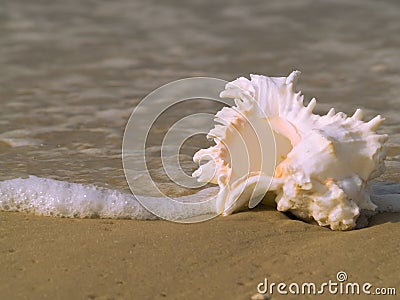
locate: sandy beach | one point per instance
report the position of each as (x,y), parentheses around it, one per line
(72,72)
(225,258)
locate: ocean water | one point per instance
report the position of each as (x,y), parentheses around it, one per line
(72,72)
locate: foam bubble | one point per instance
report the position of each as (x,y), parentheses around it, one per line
(386,195)
(43,196)
(48,197)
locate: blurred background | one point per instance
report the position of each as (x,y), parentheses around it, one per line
(72,71)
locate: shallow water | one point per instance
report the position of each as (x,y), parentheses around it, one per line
(72,72)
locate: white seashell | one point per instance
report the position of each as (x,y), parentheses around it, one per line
(323,163)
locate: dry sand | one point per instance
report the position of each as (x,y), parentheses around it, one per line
(225,258)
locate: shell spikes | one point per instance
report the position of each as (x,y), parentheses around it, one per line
(317,166)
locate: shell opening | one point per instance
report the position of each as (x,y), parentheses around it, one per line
(286,137)
(246,153)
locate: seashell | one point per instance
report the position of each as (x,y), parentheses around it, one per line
(319,168)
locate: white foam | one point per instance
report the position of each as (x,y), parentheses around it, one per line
(43,196)
(386,196)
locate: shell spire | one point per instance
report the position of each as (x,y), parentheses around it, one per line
(317,166)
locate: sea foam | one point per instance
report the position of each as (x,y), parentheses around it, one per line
(49,197)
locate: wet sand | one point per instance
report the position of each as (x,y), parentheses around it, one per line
(225,258)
